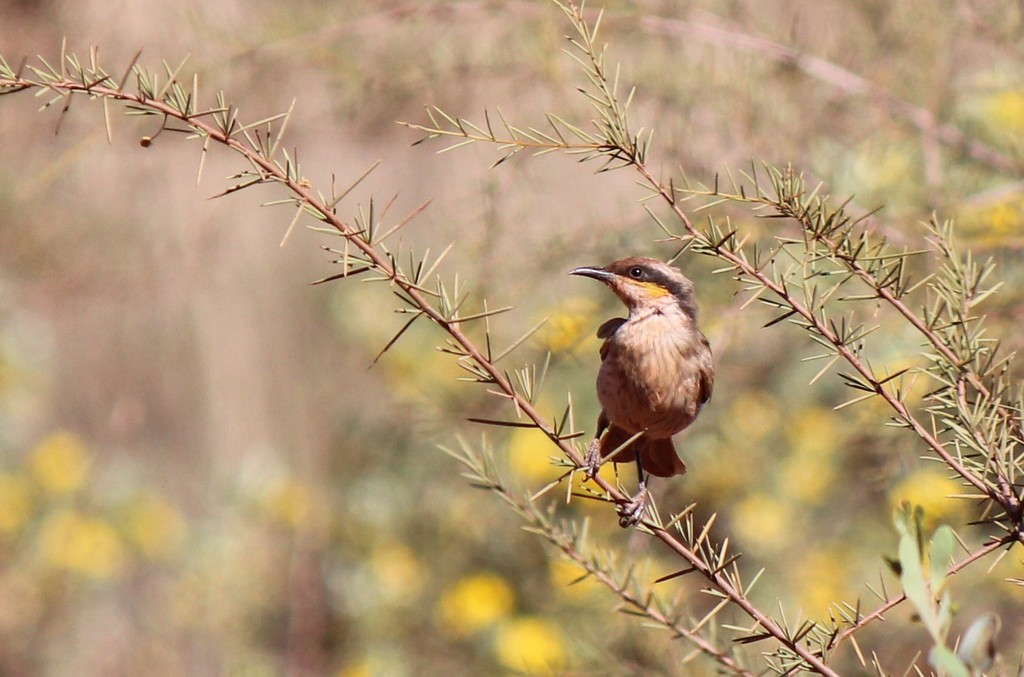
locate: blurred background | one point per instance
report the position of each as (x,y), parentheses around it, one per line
(202,471)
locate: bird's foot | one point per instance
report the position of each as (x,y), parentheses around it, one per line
(592,461)
(632,512)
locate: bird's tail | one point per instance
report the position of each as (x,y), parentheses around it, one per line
(658,457)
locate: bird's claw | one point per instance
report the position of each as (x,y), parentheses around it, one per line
(632,512)
(592,461)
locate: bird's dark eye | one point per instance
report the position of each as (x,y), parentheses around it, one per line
(636,272)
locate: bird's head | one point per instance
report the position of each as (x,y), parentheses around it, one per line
(645,284)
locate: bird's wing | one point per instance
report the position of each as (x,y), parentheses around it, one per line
(609,327)
(707,372)
(605,331)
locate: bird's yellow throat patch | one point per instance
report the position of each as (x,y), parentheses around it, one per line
(654,290)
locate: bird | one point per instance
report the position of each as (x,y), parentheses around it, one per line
(656,373)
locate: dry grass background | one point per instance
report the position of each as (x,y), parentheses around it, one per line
(201,473)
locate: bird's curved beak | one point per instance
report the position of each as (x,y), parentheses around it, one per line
(595,272)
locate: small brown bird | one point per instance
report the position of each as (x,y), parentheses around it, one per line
(656,372)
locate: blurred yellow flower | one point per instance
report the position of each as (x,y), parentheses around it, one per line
(531,645)
(530,460)
(412,367)
(397,569)
(882,163)
(363,668)
(290,502)
(754,415)
(15,502)
(380,663)
(866,412)
(929,488)
(1004,113)
(821,578)
(807,478)
(565,578)
(570,326)
(60,463)
(85,545)
(762,520)
(814,438)
(993,223)
(529,453)
(718,478)
(475,603)
(881,167)
(415,375)
(814,431)
(155,526)
(1005,217)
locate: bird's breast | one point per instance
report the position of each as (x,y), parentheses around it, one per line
(650,375)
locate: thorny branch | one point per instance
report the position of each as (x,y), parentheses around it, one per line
(636,596)
(612,142)
(173,102)
(713,30)
(816,323)
(1004,494)
(892,602)
(961,358)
